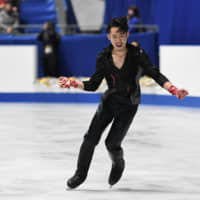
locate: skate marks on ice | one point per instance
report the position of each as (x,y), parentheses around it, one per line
(39,144)
(133,190)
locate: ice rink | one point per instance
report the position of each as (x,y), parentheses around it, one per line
(39,144)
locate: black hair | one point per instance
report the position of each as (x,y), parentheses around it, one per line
(51,25)
(135,10)
(120,22)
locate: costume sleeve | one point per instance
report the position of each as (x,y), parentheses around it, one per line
(149,69)
(97,77)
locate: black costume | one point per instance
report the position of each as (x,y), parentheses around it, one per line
(50,55)
(119,104)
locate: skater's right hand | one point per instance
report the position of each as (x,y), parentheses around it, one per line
(64,82)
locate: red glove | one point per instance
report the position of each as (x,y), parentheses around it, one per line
(179,93)
(73,83)
(173,90)
(65,82)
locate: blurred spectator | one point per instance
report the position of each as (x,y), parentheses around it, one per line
(133,19)
(15,5)
(2,4)
(51,41)
(9,20)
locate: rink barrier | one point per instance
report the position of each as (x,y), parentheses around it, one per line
(147,99)
(77,53)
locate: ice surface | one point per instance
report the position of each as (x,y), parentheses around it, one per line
(39,144)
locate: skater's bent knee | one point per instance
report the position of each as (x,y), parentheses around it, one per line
(111,145)
(90,141)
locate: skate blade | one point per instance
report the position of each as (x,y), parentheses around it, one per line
(69,189)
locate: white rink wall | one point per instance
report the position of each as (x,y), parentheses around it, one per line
(182,65)
(18,68)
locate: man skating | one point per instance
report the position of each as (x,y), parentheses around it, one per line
(121,65)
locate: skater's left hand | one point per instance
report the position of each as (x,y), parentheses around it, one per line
(181,93)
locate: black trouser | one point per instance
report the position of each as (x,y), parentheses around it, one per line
(50,65)
(122,114)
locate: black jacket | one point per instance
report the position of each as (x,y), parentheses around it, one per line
(49,38)
(124,81)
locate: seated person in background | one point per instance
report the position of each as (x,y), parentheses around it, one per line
(9,20)
(133,19)
(15,5)
(2,4)
(51,41)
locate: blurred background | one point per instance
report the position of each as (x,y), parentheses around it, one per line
(43,39)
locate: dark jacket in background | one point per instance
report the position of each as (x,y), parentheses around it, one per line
(50,40)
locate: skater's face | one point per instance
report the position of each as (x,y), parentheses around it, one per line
(117,38)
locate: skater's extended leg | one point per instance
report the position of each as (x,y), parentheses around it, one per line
(100,121)
(113,142)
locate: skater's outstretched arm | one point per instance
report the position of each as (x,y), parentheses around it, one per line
(163,81)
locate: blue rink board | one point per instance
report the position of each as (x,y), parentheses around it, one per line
(77,53)
(147,99)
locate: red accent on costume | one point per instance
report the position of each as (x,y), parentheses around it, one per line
(113,78)
(128,90)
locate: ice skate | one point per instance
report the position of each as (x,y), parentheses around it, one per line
(118,165)
(75,180)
